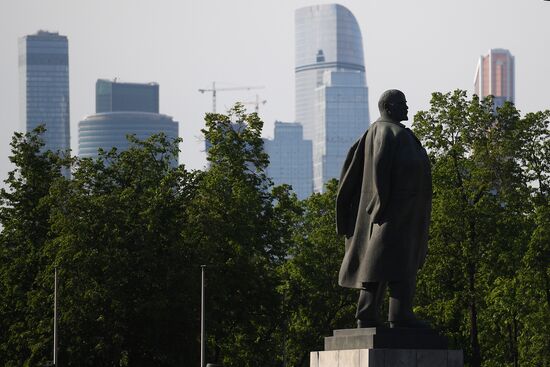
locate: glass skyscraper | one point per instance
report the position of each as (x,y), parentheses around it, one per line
(290,158)
(109,130)
(123,109)
(495,76)
(341,110)
(331,91)
(44,87)
(116,96)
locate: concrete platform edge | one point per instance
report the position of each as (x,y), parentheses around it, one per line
(387,358)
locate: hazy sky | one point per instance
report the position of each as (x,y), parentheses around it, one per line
(417,46)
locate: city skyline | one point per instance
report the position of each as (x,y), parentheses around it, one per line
(430,46)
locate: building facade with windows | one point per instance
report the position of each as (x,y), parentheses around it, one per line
(290,158)
(495,75)
(123,109)
(341,105)
(330,85)
(110,129)
(112,96)
(44,87)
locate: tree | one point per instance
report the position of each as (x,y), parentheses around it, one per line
(533,294)
(25,319)
(127,234)
(313,301)
(533,277)
(114,232)
(235,224)
(126,272)
(481,223)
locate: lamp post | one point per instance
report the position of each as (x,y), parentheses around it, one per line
(203,321)
(55,317)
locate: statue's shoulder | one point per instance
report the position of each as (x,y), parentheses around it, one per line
(390,128)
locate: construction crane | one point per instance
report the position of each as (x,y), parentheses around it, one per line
(214,90)
(256,103)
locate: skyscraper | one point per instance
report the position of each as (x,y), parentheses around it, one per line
(111,96)
(123,109)
(290,158)
(495,75)
(331,90)
(341,113)
(44,87)
(109,129)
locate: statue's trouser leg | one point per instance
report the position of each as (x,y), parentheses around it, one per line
(401,299)
(370,299)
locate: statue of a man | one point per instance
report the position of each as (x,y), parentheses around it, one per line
(383,208)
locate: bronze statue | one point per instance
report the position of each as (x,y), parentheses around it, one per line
(383,208)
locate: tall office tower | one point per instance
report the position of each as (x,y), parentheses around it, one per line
(328,39)
(341,107)
(111,96)
(290,158)
(44,87)
(109,130)
(495,75)
(123,109)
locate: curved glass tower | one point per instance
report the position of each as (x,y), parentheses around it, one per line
(331,91)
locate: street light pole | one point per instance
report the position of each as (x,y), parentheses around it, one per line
(203,321)
(55,317)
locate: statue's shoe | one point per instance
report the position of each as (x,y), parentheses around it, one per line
(411,324)
(368,323)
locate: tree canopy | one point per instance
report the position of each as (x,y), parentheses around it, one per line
(129,230)
(490,189)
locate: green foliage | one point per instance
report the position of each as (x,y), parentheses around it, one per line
(126,271)
(238,227)
(474,285)
(114,233)
(24,216)
(314,302)
(129,231)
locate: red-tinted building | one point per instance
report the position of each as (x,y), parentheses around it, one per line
(495,75)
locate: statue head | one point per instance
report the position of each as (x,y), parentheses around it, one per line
(393,105)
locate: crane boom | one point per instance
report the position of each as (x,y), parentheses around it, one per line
(214,90)
(256,103)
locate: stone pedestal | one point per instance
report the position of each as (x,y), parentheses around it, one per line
(398,338)
(387,358)
(384,347)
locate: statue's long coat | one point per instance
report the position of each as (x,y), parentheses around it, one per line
(383,206)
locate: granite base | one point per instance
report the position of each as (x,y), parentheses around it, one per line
(387,358)
(397,338)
